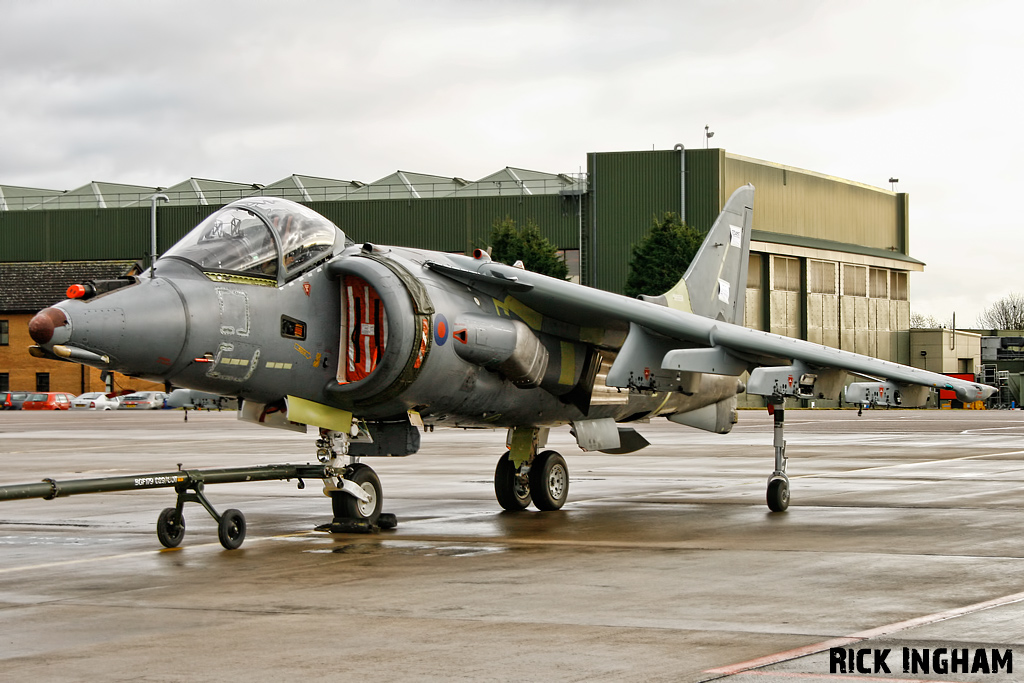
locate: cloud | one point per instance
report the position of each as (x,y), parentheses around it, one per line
(152,93)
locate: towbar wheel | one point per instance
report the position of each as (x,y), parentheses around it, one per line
(170,528)
(231,529)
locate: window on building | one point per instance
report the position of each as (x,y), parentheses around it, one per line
(821,277)
(754,272)
(879,283)
(42,381)
(786,275)
(855,280)
(5,382)
(4,332)
(900,288)
(572,262)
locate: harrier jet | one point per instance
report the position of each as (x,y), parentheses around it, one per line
(270,302)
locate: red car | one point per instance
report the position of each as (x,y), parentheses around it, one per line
(49,400)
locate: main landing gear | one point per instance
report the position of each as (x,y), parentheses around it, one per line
(778,483)
(354,488)
(524,476)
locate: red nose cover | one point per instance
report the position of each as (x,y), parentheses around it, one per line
(42,324)
(365,328)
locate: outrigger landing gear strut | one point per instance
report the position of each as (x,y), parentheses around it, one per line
(778,482)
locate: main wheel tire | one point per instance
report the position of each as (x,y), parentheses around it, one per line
(345,505)
(231,530)
(512,492)
(549,481)
(170,528)
(778,495)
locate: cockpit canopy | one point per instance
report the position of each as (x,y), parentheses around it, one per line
(262,237)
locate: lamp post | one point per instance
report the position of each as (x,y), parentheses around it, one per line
(152,230)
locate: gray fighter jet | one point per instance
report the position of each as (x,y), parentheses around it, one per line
(268,301)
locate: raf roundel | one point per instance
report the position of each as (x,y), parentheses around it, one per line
(440,329)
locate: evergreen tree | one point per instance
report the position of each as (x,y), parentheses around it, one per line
(660,259)
(510,244)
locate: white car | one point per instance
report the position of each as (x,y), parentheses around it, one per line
(94,400)
(142,400)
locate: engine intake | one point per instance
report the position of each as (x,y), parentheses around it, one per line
(385,330)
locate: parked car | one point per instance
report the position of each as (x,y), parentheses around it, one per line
(12,400)
(94,400)
(48,400)
(142,400)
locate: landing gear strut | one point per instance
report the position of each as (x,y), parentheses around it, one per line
(778,483)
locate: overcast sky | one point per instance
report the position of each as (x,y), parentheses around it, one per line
(151,93)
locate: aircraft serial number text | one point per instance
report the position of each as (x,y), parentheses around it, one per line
(155,481)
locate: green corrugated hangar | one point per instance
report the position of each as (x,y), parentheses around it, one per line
(829,258)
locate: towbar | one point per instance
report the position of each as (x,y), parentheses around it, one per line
(49,489)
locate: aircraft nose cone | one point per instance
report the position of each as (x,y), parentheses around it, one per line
(43,323)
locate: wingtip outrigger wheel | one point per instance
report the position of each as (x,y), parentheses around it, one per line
(778,493)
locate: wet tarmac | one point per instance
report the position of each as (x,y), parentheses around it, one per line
(904,531)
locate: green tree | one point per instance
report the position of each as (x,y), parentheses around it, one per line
(510,243)
(660,259)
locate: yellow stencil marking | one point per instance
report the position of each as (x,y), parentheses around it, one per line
(568,372)
(524,312)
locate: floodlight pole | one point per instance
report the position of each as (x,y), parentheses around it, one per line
(152,230)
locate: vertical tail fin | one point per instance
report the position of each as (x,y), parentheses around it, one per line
(715,284)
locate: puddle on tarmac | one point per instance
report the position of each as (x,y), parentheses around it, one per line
(412,548)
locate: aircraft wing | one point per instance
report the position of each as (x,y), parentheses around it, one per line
(691,342)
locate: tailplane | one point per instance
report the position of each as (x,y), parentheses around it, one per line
(715,284)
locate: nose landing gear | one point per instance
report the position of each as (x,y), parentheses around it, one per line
(354,488)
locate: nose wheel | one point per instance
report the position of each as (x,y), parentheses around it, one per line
(346,506)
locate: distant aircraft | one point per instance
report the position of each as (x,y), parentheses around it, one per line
(268,301)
